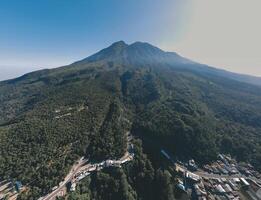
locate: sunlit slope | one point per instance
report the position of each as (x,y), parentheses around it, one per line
(50,118)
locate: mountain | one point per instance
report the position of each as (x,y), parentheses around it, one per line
(140,53)
(50,118)
(254,80)
(136,53)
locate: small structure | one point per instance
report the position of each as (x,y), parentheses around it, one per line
(18,186)
(109,163)
(82,175)
(73,187)
(125,160)
(165,154)
(227,188)
(199,190)
(192,165)
(181,185)
(233,185)
(92,168)
(193,177)
(54,188)
(179,170)
(245,183)
(57,111)
(112,163)
(220,189)
(236,180)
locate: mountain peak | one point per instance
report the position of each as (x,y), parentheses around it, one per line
(145,49)
(109,53)
(140,53)
(144,45)
(120,43)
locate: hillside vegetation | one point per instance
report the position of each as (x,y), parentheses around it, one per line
(50,118)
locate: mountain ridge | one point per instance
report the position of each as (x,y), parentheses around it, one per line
(143,53)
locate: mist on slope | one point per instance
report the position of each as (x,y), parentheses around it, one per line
(9,72)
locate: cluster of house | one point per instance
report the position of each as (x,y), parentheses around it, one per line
(10,189)
(211,188)
(229,166)
(222,179)
(97,167)
(219,188)
(221,167)
(248,170)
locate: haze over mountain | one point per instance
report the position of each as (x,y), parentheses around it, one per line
(147,53)
(30,30)
(10,72)
(50,118)
(144,53)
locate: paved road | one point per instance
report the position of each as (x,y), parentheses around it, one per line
(207,175)
(67,179)
(81,166)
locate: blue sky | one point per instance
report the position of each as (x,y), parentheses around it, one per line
(59,31)
(50,33)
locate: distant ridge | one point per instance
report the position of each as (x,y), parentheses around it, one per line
(142,53)
(145,54)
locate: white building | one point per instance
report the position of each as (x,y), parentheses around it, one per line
(73,187)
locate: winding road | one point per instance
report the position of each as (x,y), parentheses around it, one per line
(80,166)
(75,169)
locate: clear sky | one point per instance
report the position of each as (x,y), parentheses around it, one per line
(38,34)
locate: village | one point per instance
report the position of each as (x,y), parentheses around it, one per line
(81,169)
(88,169)
(10,190)
(224,179)
(84,168)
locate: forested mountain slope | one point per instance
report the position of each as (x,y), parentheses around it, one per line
(49,118)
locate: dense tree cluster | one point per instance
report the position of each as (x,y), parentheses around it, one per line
(111,139)
(136,180)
